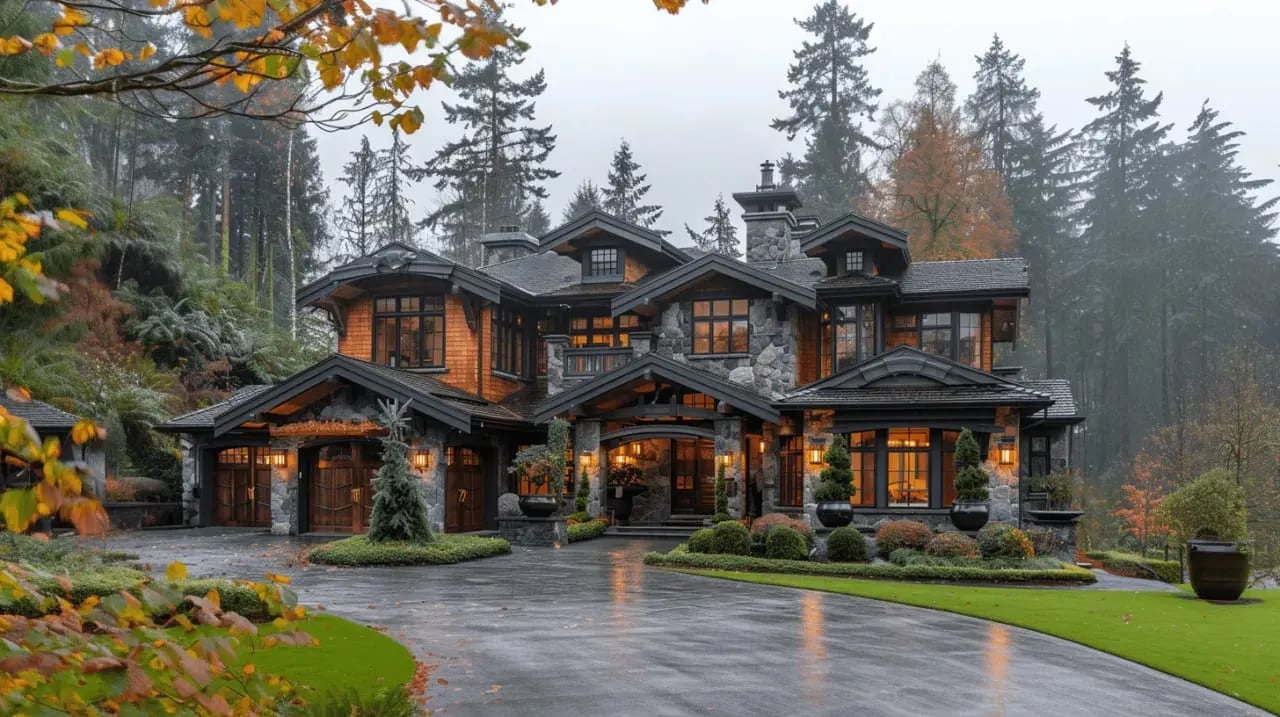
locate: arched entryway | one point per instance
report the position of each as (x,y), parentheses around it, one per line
(339,490)
(683,455)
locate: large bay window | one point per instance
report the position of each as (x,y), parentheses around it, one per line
(602,331)
(721,326)
(954,334)
(506,343)
(408,331)
(908,467)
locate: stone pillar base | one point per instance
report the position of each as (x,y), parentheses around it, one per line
(538,532)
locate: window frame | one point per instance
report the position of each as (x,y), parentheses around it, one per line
(618,330)
(507,331)
(917,453)
(915,323)
(714,316)
(829,339)
(429,306)
(590,274)
(855,266)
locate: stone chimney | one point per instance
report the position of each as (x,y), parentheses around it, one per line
(770,223)
(508,243)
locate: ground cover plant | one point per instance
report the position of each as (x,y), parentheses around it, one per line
(1228,648)
(443,549)
(586,531)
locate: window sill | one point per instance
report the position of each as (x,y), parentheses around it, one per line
(429,369)
(507,376)
(692,356)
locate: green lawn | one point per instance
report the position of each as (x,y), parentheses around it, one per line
(1234,649)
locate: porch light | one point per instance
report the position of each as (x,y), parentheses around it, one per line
(588,460)
(1006,452)
(278,457)
(421,458)
(815,455)
(725,459)
(636,448)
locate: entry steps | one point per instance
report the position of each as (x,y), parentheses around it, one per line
(677,527)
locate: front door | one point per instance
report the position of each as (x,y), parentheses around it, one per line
(693,476)
(340,496)
(242,487)
(464,490)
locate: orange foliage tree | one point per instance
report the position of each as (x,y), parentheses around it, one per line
(1139,499)
(355,49)
(939,187)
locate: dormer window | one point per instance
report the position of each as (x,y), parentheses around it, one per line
(853,261)
(603,265)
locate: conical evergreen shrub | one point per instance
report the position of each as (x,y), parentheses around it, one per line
(835,482)
(399,507)
(971,480)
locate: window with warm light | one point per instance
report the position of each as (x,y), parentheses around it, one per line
(862,461)
(408,331)
(721,326)
(506,342)
(791,477)
(908,467)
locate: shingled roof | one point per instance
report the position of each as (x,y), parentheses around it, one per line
(202,419)
(971,276)
(1064,409)
(536,274)
(40,416)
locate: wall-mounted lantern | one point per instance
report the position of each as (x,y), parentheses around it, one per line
(1006,452)
(815,454)
(278,457)
(421,459)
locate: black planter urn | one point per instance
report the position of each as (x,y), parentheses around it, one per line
(835,513)
(1219,569)
(970,515)
(539,506)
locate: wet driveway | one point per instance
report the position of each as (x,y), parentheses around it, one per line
(587,629)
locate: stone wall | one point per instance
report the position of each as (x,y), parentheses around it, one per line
(817,433)
(729,443)
(556,345)
(768,368)
(769,236)
(653,505)
(284,489)
(433,476)
(586,443)
(190,483)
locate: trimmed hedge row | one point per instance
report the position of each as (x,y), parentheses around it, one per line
(111,580)
(1169,571)
(358,550)
(681,558)
(586,531)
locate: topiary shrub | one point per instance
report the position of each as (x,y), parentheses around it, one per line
(783,543)
(731,538)
(722,495)
(702,541)
(835,483)
(1211,506)
(971,480)
(1001,540)
(719,518)
(761,526)
(399,508)
(902,534)
(952,545)
(583,494)
(846,545)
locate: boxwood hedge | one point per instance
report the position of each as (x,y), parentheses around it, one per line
(110,580)
(1170,571)
(442,550)
(587,531)
(681,558)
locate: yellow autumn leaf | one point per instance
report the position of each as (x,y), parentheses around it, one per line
(109,57)
(146,52)
(282,579)
(85,431)
(46,43)
(6,292)
(176,571)
(248,669)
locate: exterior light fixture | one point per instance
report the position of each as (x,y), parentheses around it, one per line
(422,459)
(725,459)
(1006,452)
(588,460)
(279,457)
(815,455)
(762,446)
(636,448)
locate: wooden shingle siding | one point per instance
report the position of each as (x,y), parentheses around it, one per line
(633,269)
(357,342)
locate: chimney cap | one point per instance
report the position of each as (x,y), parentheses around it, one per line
(766,177)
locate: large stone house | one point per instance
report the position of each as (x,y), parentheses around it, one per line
(661,357)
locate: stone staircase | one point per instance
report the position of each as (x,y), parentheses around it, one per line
(677,527)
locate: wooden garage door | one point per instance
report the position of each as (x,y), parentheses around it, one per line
(340,494)
(242,487)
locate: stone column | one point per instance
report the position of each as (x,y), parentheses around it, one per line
(770,468)
(190,483)
(556,345)
(586,442)
(729,443)
(641,343)
(433,476)
(284,489)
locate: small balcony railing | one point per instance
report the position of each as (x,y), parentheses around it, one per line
(593,361)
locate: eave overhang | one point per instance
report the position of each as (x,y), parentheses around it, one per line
(673,283)
(398,259)
(595,222)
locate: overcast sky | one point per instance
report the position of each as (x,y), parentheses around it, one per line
(695,93)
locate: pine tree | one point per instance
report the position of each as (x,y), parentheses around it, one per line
(626,189)
(585,198)
(399,507)
(357,221)
(498,165)
(536,220)
(829,93)
(1001,104)
(1124,146)
(720,236)
(391,192)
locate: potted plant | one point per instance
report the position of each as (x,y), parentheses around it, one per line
(835,486)
(1209,513)
(971,508)
(626,481)
(542,465)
